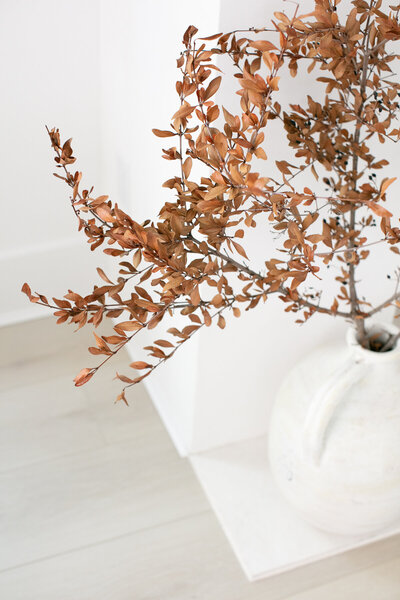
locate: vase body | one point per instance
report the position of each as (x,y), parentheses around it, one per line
(334,441)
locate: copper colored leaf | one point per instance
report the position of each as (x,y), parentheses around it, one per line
(103,275)
(164,343)
(215,191)
(83,376)
(62,303)
(139,365)
(129,326)
(379,210)
(187,167)
(189,329)
(163,134)
(211,37)
(217,301)
(114,339)
(239,249)
(104,212)
(274,83)
(124,378)
(195,296)
(122,397)
(26,290)
(221,144)
(184,111)
(385,185)
(262,45)
(212,87)
(189,33)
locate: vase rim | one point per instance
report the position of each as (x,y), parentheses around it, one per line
(371,355)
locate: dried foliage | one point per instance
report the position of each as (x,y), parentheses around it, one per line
(192,260)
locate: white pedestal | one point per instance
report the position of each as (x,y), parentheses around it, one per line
(268,537)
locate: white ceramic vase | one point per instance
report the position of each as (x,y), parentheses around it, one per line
(335,438)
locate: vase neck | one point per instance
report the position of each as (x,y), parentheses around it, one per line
(364,354)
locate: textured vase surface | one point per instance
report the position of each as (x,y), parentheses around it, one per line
(334,440)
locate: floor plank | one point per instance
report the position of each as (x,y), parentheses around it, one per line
(381,582)
(43,421)
(34,351)
(182,560)
(96,504)
(118,422)
(186,559)
(93,495)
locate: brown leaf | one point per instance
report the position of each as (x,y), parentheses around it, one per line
(122,397)
(184,111)
(104,212)
(221,322)
(164,343)
(129,325)
(187,167)
(379,210)
(211,37)
(215,191)
(212,87)
(83,376)
(163,134)
(26,290)
(140,364)
(217,301)
(124,378)
(221,144)
(274,83)
(104,276)
(262,45)
(239,249)
(62,303)
(385,185)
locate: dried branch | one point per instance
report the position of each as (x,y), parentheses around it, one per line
(191,260)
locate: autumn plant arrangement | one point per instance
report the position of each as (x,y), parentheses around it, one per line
(192,260)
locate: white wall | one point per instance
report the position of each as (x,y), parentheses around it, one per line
(140,44)
(49,65)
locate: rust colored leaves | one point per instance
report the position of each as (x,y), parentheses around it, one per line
(191,261)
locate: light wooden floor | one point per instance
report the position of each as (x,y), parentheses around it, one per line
(95,504)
